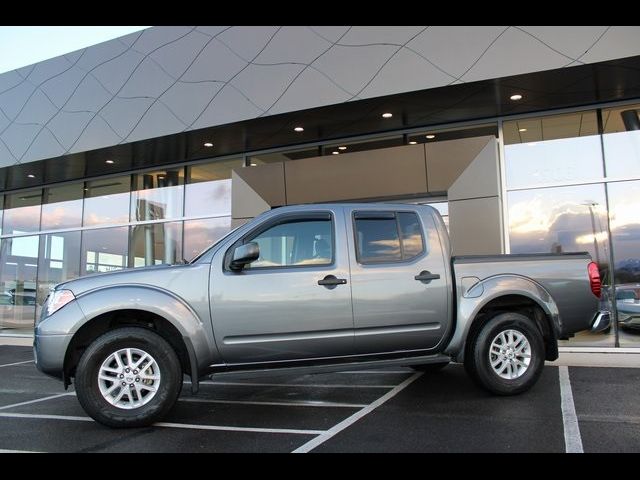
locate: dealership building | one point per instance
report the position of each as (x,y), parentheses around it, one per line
(148,148)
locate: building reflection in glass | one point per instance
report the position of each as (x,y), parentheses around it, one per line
(156,244)
(200,234)
(18,273)
(104,250)
(208,190)
(107,201)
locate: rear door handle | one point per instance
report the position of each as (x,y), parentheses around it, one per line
(426,276)
(332,281)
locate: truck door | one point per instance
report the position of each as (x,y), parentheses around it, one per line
(399,283)
(294,302)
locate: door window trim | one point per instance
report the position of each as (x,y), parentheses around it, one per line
(387,215)
(278,220)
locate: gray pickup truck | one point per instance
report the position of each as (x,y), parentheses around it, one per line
(312,288)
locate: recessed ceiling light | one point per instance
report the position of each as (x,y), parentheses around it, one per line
(31,175)
(208,144)
(522,129)
(254,164)
(517,96)
(335,152)
(299,129)
(430,136)
(387,115)
(342,148)
(109,162)
(412,142)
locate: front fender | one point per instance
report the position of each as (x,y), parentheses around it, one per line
(471,301)
(165,304)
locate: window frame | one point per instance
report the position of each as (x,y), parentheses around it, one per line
(279,220)
(387,215)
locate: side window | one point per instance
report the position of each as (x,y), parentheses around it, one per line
(387,236)
(294,243)
(412,241)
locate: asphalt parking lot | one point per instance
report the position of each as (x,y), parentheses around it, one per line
(593,409)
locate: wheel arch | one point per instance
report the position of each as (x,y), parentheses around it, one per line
(504,293)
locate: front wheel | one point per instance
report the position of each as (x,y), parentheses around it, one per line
(129,377)
(507,355)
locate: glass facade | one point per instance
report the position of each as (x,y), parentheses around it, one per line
(573,185)
(59,233)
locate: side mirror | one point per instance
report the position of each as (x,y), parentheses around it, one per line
(244,254)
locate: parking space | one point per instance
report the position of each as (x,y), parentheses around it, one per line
(388,410)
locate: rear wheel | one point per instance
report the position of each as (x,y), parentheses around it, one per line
(507,355)
(129,377)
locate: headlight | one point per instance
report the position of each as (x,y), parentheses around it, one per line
(58,299)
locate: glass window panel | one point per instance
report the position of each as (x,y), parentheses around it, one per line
(156,244)
(564,219)
(107,201)
(200,234)
(22,212)
(540,129)
(157,195)
(256,160)
(306,242)
(377,240)
(363,145)
(208,191)
(624,204)
(556,220)
(553,161)
(411,230)
(59,261)
(429,136)
(62,207)
(621,119)
(622,153)
(18,273)
(104,250)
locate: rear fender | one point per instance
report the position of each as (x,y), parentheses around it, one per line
(471,302)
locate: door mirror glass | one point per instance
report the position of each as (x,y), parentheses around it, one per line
(244,254)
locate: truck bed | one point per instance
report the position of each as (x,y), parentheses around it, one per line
(562,275)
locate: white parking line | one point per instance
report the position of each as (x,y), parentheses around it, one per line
(17,451)
(309,385)
(37,400)
(239,429)
(311,444)
(17,363)
(173,425)
(572,438)
(281,404)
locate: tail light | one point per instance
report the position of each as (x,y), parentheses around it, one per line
(594,279)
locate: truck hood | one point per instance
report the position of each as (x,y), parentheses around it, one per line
(157,275)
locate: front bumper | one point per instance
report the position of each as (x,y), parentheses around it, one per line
(52,337)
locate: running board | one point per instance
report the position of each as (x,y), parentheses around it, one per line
(334,367)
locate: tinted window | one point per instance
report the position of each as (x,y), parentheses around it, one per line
(297,242)
(388,237)
(377,240)
(411,230)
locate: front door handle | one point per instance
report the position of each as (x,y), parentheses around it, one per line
(426,276)
(332,281)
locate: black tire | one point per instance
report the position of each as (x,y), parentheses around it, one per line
(88,390)
(477,360)
(430,367)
